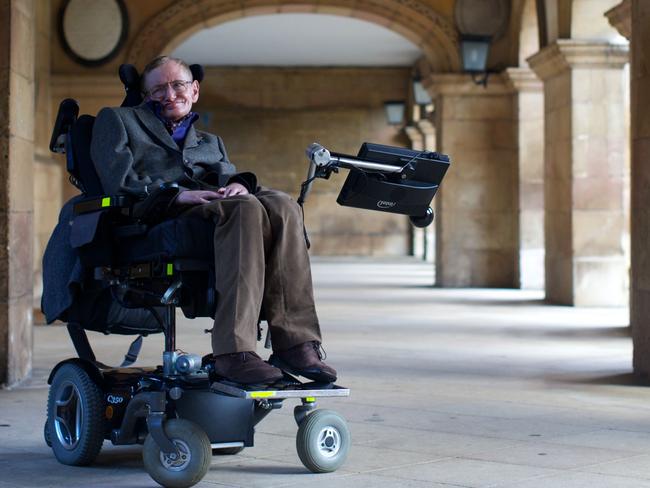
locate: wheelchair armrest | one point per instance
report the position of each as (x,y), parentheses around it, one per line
(119,202)
(153,209)
(145,211)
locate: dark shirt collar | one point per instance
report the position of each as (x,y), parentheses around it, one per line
(177,128)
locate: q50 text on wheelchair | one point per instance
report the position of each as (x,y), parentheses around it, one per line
(125,272)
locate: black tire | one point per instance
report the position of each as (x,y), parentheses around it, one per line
(226,451)
(323,441)
(75,412)
(196,454)
(46,434)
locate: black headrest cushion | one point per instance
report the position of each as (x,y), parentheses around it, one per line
(129,76)
(197,72)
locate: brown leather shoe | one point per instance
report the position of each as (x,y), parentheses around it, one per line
(304,360)
(246,368)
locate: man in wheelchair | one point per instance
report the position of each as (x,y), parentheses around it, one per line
(260,252)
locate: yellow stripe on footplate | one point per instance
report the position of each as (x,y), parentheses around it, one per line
(262,394)
(310,399)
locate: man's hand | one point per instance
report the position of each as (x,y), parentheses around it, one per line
(199,197)
(232,189)
(196,197)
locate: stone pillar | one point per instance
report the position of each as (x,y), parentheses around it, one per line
(16,197)
(640,268)
(584,171)
(428,133)
(476,220)
(418,244)
(529,112)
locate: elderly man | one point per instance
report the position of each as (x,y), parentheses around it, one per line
(261,258)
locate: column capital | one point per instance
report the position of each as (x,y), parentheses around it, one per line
(523,80)
(620,17)
(462,84)
(568,54)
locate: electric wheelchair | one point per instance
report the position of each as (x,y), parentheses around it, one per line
(127,270)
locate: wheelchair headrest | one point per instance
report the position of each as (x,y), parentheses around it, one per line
(131,79)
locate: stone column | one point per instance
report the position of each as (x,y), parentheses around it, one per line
(428,133)
(418,244)
(476,220)
(529,112)
(640,268)
(16,197)
(584,171)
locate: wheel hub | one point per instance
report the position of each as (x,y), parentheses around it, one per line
(177,462)
(68,418)
(329,441)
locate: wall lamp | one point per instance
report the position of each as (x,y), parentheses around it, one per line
(474,52)
(394,110)
(420,95)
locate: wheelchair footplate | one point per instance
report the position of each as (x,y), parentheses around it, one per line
(281,390)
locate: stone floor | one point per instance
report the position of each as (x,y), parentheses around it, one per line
(464,388)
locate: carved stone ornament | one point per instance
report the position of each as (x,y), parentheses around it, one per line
(482,17)
(92,31)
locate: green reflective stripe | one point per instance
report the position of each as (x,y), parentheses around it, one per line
(106,202)
(170,269)
(262,394)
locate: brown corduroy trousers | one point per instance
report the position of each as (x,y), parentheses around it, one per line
(261,263)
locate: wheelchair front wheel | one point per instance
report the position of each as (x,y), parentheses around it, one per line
(323,441)
(185,470)
(75,413)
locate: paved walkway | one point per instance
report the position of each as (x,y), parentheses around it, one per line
(470,388)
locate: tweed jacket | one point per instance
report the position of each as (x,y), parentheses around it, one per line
(133,153)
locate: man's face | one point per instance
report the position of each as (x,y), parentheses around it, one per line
(173,87)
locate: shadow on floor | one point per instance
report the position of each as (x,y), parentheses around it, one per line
(624,379)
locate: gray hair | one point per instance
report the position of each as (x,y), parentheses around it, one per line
(161,61)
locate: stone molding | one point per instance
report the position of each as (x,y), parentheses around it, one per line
(414,19)
(84,86)
(523,80)
(462,84)
(567,54)
(620,17)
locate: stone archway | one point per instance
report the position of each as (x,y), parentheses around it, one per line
(433,33)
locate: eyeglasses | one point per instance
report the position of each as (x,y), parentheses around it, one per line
(159,91)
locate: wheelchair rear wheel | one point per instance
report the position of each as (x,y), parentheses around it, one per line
(323,441)
(75,412)
(185,470)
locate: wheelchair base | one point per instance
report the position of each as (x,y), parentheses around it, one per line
(181,417)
